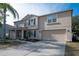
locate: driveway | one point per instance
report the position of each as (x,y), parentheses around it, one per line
(41,48)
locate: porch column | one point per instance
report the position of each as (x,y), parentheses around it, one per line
(22,34)
(9,33)
(15,34)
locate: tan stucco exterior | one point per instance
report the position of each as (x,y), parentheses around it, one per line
(63,22)
(59,31)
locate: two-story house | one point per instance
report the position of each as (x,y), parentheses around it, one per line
(54,26)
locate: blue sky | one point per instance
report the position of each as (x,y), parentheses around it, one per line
(41,9)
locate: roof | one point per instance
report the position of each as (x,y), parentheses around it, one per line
(29,15)
(19,28)
(57,12)
(26,17)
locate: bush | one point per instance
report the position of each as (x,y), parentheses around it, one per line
(75,38)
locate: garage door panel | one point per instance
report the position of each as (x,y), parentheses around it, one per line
(57,35)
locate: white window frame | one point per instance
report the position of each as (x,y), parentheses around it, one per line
(51,17)
(32,23)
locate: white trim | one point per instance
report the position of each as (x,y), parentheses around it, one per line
(52,22)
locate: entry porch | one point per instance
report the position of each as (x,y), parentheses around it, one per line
(18,33)
(23,33)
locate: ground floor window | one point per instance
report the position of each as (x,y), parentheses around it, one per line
(29,33)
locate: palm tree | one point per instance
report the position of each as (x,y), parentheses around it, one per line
(4,8)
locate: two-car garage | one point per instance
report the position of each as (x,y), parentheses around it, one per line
(54,35)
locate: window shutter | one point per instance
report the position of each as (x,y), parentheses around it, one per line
(34,33)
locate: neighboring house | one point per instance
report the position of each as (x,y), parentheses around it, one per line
(7,30)
(53,26)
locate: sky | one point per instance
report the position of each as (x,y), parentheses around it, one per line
(40,9)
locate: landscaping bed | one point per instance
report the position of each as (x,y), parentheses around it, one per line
(9,43)
(72,49)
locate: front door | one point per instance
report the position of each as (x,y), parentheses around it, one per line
(25,35)
(32,34)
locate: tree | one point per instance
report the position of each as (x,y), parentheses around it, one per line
(4,8)
(75,25)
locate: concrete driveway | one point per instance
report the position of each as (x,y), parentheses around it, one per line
(41,48)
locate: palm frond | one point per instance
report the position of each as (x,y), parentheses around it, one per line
(1,12)
(10,9)
(13,11)
(3,5)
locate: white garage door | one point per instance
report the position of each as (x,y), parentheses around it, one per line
(54,35)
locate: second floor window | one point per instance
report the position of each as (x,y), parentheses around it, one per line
(28,22)
(51,19)
(32,22)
